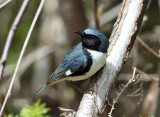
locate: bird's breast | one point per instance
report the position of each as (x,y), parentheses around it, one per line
(98,60)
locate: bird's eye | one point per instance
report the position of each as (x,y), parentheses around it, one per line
(92,37)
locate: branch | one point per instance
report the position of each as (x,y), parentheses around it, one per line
(96,16)
(122,39)
(5,3)
(21,54)
(10,36)
(122,88)
(150,50)
(150,102)
(146,78)
(147,75)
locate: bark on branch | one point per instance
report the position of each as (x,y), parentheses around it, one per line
(121,41)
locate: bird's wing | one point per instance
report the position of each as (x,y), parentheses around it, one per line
(73,62)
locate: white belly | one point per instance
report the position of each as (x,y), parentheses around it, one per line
(98,61)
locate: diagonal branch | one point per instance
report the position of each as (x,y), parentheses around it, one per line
(150,50)
(96,16)
(21,54)
(4,3)
(10,36)
(123,36)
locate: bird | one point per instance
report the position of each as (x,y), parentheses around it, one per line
(83,60)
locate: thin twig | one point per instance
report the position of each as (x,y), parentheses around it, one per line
(5,3)
(67,112)
(96,16)
(147,75)
(150,50)
(21,54)
(10,36)
(126,77)
(122,88)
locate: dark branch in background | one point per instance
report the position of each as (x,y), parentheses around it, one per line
(10,36)
(96,15)
(150,101)
(72,11)
(21,54)
(122,38)
(150,50)
(5,3)
(110,14)
(159,4)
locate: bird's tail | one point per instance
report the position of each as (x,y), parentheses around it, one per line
(35,95)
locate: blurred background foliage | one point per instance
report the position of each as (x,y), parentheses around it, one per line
(35,110)
(54,35)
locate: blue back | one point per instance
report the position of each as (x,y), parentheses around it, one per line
(78,60)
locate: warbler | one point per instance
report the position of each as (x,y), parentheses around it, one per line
(83,60)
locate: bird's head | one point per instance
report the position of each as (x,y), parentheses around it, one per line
(94,39)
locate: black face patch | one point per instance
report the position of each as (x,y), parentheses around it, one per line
(91,42)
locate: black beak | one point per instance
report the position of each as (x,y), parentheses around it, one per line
(80,33)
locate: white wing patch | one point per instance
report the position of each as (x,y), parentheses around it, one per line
(68,72)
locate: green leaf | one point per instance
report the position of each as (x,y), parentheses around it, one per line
(36,110)
(11,115)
